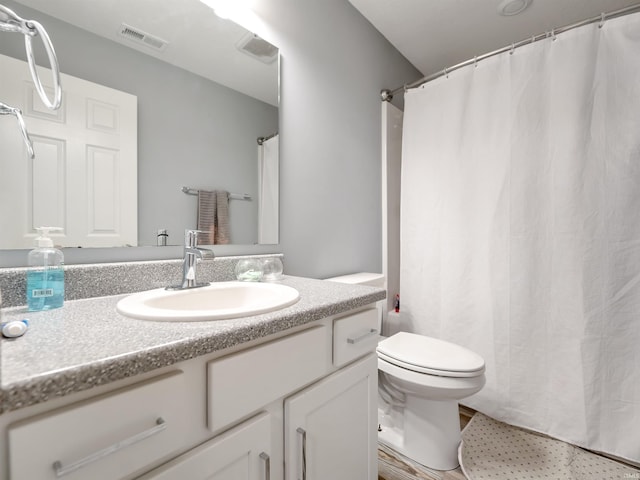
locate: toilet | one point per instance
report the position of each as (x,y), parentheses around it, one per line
(420,381)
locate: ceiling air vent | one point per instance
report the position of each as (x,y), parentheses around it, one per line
(258,48)
(142,37)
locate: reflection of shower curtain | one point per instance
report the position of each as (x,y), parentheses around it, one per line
(268,171)
(521,230)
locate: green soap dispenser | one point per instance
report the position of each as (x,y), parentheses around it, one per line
(45,278)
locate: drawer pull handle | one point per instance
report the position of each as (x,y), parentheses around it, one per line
(303,453)
(267,465)
(62,470)
(370,333)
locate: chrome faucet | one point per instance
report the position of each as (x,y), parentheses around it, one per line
(191,255)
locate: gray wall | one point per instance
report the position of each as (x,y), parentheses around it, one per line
(334,64)
(191,131)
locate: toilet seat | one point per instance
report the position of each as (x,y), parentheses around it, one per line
(430,356)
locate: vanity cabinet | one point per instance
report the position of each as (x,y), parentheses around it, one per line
(304,399)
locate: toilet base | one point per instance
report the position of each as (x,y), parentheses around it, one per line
(429,433)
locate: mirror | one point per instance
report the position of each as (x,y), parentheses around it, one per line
(204,89)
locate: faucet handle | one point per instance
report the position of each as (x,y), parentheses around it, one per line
(191,237)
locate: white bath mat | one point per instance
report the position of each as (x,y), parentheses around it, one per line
(492,450)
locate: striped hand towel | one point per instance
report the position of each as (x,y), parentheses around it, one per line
(213,217)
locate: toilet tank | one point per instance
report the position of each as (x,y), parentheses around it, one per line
(369,279)
(362,278)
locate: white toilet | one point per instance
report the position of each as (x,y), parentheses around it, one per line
(421,380)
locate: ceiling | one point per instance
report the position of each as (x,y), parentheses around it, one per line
(198,40)
(435,34)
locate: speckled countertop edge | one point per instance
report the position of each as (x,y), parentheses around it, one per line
(65,349)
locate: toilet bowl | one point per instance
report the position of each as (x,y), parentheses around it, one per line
(420,381)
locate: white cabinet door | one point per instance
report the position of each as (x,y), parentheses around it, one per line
(243,453)
(330,427)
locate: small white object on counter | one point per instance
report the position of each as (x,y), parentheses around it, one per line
(15,328)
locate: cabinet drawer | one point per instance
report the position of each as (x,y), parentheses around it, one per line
(244,382)
(108,437)
(354,336)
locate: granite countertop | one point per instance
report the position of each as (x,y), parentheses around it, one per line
(87,343)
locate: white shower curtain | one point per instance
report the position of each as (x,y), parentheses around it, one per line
(521,230)
(269,187)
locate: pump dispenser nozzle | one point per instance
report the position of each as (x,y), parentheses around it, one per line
(43,240)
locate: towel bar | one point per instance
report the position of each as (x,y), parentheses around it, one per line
(232,196)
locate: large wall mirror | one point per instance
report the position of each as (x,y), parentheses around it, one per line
(203,90)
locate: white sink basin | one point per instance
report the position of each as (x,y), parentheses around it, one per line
(218,301)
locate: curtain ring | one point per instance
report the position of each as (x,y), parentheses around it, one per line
(603,17)
(446,73)
(513,49)
(475,61)
(553,34)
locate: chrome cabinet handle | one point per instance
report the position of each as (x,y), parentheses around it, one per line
(370,333)
(61,470)
(303,453)
(267,465)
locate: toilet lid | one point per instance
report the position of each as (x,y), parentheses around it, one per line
(430,355)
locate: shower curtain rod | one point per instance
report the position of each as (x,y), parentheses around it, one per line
(386,94)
